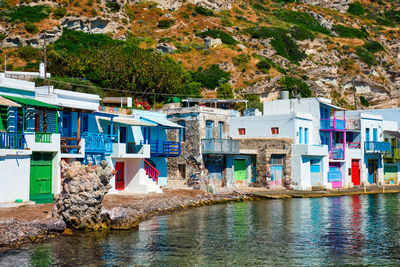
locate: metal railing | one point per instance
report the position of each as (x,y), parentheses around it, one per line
(163,148)
(70,145)
(12,141)
(151,171)
(42,137)
(98,143)
(337,153)
(332,124)
(377,147)
(354,145)
(220,146)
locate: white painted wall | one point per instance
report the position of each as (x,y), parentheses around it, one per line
(14,175)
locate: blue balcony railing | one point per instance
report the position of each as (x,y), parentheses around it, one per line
(376,147)
(220,146)
(98,143)
(331,124)
(163,148)
(12,141)
(337,153)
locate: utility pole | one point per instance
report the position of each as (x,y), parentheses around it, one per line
(5,63)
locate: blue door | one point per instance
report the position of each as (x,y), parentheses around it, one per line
(209,129)
(315,172)
(367,138)
(66,124)
(85,123)
(372,168)
(276,176)
(300,135)
(375,134)
(220,129)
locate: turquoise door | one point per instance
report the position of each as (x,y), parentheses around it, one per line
(276,176)
(367,138)
(375,135)
(220,129)
(209,129)
(306,136)
(315,172)
(372,168)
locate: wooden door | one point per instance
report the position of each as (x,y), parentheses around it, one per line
(120,176)
(240,169)
(372,167)
(40,187)
(355,171)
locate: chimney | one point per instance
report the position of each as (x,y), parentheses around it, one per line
(41,70)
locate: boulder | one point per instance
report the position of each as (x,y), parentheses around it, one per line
(211,42)
(165,48)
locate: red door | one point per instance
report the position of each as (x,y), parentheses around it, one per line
(119,176)
(355,171)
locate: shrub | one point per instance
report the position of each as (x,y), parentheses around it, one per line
(29,13)
(364,101)
(302,19)
(29,53)
(204,11)
(281,42)
(165,23)
(31,27)
(373,46)
(254,101)
(347,32)
(301,33)
(211,77)
(242,60)
(366,56)
(225,37)
(113,6)
(60,12)
(263,65)
(356,9)
(225,91)
(294,85)
(2,36)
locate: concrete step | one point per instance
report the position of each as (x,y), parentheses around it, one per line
(177,184)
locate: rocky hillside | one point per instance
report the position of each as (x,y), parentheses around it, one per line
(342,49)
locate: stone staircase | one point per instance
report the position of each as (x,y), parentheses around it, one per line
(177,184)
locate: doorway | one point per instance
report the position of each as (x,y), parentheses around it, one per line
(372,169)
(40,187)
(355,171)
(120,176)
(240,169)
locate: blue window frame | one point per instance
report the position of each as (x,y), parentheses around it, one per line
(209,129)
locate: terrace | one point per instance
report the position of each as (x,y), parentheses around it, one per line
(377,147)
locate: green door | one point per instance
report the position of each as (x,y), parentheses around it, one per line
(240,169)
(40,189)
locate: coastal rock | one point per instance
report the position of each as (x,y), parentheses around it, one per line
(80,203)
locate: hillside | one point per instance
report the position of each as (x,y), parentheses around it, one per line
(338,49)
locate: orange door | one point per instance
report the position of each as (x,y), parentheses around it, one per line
(119,176)
(355,172)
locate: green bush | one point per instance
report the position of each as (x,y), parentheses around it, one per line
(301,33)
(3,36)
(366,56)
(347,32)
(165,23)
(364,101)
(241,60)
(263,65)
(29,13)
(225,37)
(113,6)
(29,53)
(204,11)
(31,27)
(294,85)
(302,19)
(225,91)
(373,46)
(192,89)
(60,12)
(254,101)
(356,9)
(281,42)
(211,77)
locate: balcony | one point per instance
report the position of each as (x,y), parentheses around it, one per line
(43,141)
(220,146)
(337,154)
(12,141)
(377,147)
(163,148)
(43,137)
(130,150)
(98,143)
(332,124)
(72,147)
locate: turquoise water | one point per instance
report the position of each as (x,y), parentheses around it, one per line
(351,230)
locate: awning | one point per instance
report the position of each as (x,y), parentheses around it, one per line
(162,122)
(392,133)
(6,102)
(128,121)
(30,102)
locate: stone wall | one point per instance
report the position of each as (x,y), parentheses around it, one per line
(264,148)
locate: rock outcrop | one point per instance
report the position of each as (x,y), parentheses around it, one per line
(83,190)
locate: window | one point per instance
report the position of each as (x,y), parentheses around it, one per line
(300,135)
(375,134)
(220,129)
(305,135)
(277,159)
(242,131)
(85,123)
(274,130)
(209,129)
(122,134)
(182,131)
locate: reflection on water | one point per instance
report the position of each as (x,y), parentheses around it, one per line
(357,230)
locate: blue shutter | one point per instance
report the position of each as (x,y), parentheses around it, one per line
(300,135)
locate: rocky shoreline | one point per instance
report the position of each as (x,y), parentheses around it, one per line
(124,212)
